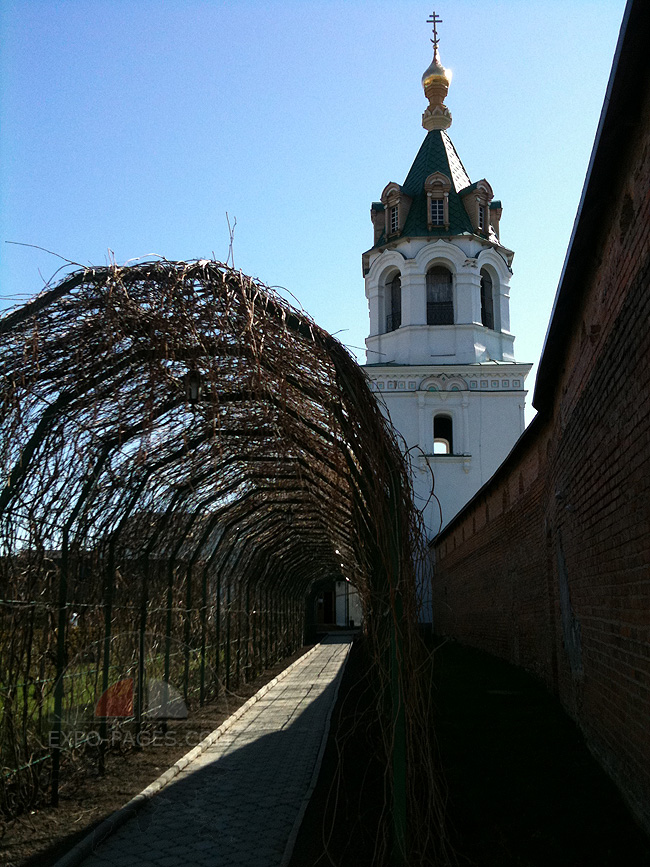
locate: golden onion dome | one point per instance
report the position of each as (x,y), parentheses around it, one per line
(436,81)
(436,72)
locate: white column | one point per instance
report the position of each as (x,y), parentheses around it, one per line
(414,298)
(465,411)
(421,423)
(503,303)
(468,293)
(376,325)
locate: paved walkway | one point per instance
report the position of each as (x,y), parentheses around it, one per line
(238,802)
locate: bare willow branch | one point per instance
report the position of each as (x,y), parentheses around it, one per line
(184,457)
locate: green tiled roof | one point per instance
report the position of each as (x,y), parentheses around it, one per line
(434,156)
(470,187)
(437,154)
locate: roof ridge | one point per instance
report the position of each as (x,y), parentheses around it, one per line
(436,153)
(431,150)
(458,171)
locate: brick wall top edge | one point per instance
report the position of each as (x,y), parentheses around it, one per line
(622,110)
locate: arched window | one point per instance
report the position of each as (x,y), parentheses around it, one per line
(440,296)
(443,437)
(394,315)
(487,300)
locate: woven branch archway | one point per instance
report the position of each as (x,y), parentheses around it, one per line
(187,454)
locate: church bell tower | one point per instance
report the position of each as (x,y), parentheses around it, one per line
(440,353)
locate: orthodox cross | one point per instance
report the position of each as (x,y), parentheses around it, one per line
(434,19)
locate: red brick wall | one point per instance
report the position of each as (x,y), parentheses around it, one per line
(549,566)
(490,586)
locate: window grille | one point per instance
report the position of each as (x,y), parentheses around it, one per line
(487,300)
(440,298)
(394,317)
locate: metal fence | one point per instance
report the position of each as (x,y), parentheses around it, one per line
(130,625)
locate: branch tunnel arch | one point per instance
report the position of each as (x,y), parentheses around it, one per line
(188,456)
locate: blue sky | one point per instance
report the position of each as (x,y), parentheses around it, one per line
(133,127)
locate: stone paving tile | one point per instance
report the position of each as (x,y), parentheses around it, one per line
(236,803)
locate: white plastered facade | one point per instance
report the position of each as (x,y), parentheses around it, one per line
(464,372)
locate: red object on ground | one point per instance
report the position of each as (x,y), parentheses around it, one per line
(117,700)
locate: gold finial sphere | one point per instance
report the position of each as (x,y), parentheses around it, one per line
(436,72)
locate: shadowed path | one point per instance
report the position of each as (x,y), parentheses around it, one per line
(238,802)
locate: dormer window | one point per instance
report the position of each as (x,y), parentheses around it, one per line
(394,219)
(437,212)
(437,187)
(477,198)
(396,207)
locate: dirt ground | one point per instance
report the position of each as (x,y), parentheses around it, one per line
(40,837)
